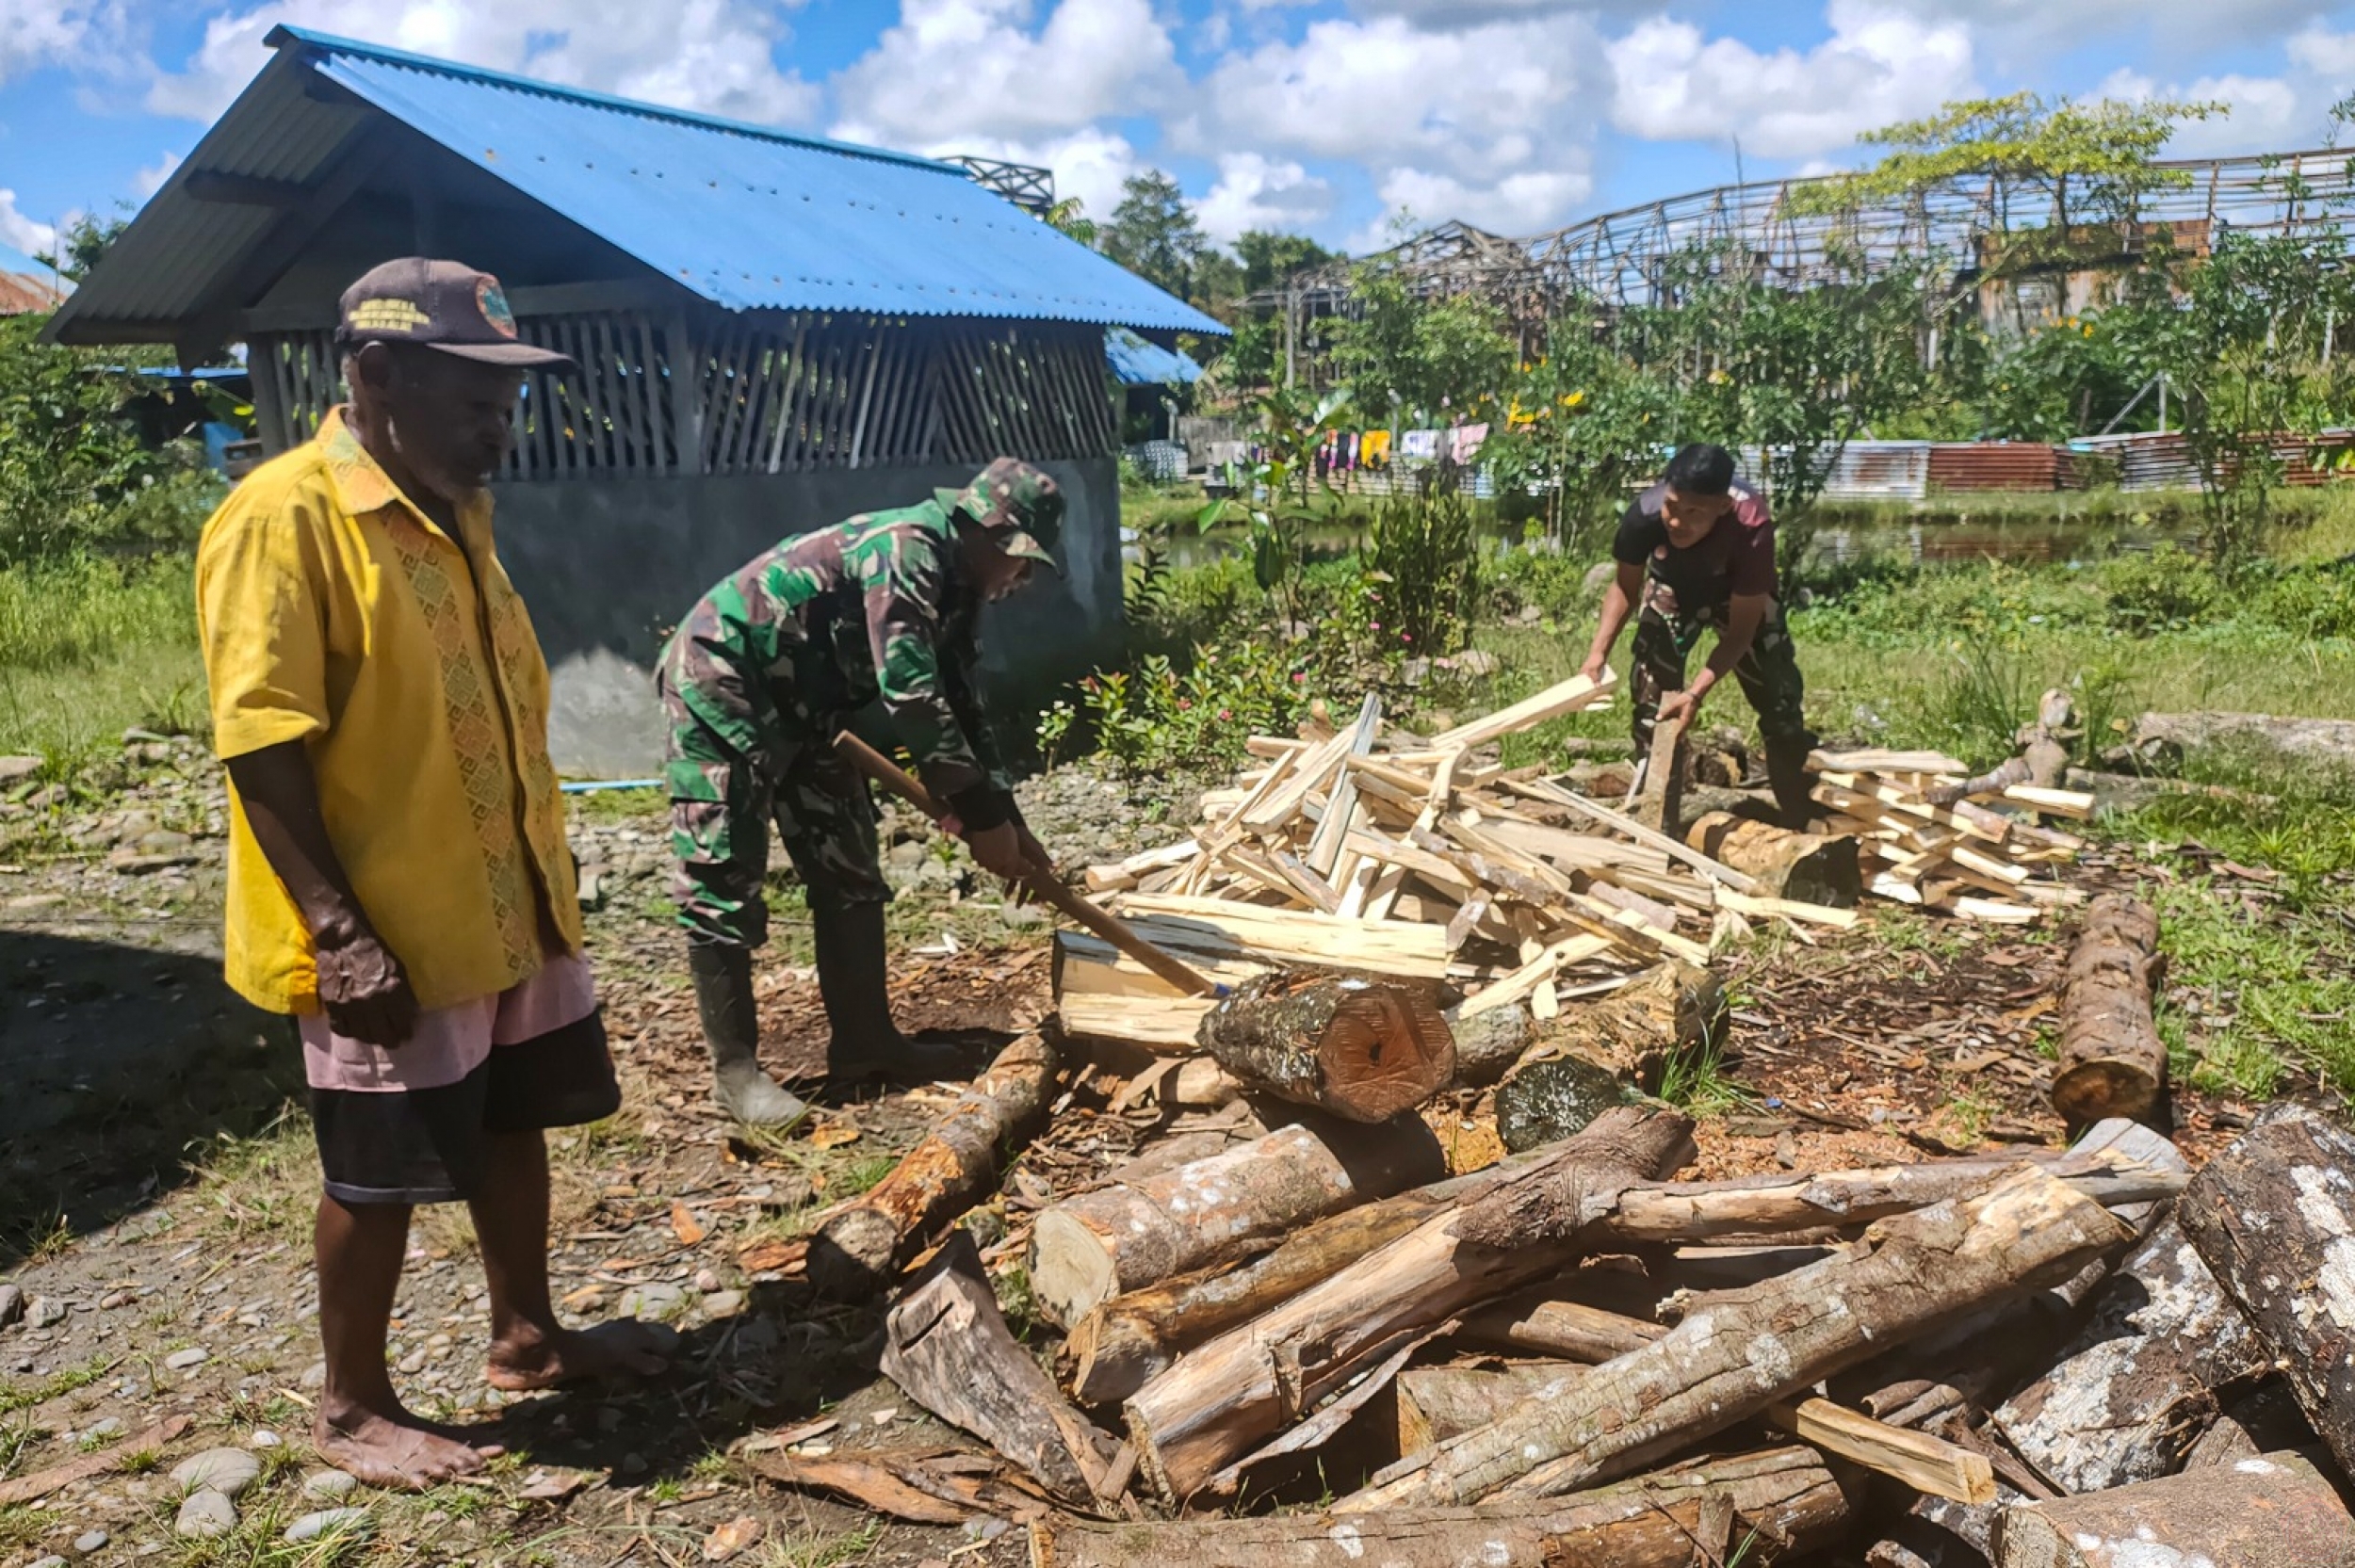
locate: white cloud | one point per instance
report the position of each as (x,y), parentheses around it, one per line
(20,233)
(42,32)
(952,70)
(710,55)
(1519,203)
(2290,112)
(148,180)
(1879,65)
(2024,34)
(1257,192)
(1090,164)
(1492,123)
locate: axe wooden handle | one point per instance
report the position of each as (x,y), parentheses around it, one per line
(889,774)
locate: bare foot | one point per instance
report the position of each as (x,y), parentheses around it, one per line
(398,1452)
(569,1355)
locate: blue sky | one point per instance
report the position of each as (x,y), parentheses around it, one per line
(1332,116)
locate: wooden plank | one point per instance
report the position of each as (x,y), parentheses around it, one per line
(1086,965)
(1619,823)
(1926,1463)
(1325,847)
(1873,761)
(1742,903)
(1284,937)
(2075,805)
(1575,695)
(1539,970)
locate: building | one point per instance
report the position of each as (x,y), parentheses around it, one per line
(773,332)
(27,293)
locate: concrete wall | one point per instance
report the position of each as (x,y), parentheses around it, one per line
(609,567)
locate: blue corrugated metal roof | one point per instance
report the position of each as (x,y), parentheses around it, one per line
(748,217)
(1139,362)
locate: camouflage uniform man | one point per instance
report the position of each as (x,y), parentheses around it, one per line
(759,680)
(1698,552)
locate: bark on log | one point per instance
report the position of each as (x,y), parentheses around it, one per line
(1095,1245)
(1223,1399)
(1129,1340)
(1808,869)
(1365,1049)
(2326,744)
(1745,1350)
(1577,1331)
(1436,1403)
(857,1252)
(1785,1494)
(1673,1008)
(1489,1042)
(948,1348)
(2112,1062)
(2135,1388)
(2274,1218)
(2256,1423)
(2272,1512)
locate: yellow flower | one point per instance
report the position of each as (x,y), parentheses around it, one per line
(1573,399)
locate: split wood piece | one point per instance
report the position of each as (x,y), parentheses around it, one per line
(1575,695)
(948,1348)
(1223,929)
(1095,1245)
(1928,1464)
(1788,909)
(1659,804)
(1361,1048)
(2012,771)
(1571,850)
(1313,772)
(1121,1346)
(1128,873)
(1871,761)
(1587,1317)
(2274,1218)
(1158,1023)
(855,1253)
(1522,982)
(1436,1403)
(922,1486)
(2272,1512)
(1085,965)
(1716,871)
(2073,803)
(2112,1061)
(1670,1012)
(2131,1394)
(1227,1397)
(1808,869)
(1785,1495)
(1746,1349)
(1324,845)
(1877,799)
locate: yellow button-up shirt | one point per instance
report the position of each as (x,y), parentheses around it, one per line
(336,613)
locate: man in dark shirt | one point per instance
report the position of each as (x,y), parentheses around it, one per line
(1698,551)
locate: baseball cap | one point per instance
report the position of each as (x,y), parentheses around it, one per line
(1018,502)
(442,304)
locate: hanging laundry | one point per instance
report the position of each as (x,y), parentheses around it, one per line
(1374,450)
(1468,439)
(1422,446)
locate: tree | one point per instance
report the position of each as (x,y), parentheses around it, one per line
(1423,355)
(81,245)
(1582,426)
(1270,258)
(1069,216)
(1153,233)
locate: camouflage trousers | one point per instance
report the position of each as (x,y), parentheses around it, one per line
(730,777)
(1665,634)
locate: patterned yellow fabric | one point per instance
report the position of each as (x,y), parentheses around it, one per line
(336,613)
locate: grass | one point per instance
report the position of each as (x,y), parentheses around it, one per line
(90,648)
(33,1393)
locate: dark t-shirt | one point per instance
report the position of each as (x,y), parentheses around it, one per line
(1737,558)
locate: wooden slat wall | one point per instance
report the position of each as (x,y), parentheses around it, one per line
(767,394)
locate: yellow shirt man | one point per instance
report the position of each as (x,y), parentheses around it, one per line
(334,613)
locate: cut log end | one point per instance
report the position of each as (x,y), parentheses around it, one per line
(1387,1051)
(1361,1048)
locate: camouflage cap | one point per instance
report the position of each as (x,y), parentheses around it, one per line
(1019,503)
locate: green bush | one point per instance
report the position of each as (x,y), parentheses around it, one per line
(1533,575)
(1159,715)
(1425,551)
(2315,603)
(2167,587)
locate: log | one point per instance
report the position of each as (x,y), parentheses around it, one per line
(2112,1062)
(1543,1324)
(2256,1423)
(1489,1042)
(1358,1047)
(1785,1495)
(857,1252)
(2312,744)
(2273,1216)
(1229,1395)
(1672,1009)
(1129,1340)
(1436,1403)
(1806,868)
(1090,1248)
(948,1348)
(2129,1396)
(2271,1512)
(1660,803)
(1740,1352)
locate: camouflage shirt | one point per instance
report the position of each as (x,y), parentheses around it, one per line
(798,638)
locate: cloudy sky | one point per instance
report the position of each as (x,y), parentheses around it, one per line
(1332,116)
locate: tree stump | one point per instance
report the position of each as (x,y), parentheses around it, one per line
(2112,1062)
(2274,1218)
(1364,1049)
(1806,868)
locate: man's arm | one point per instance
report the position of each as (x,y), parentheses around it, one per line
(1619,603)
(361,983)
(1745,614)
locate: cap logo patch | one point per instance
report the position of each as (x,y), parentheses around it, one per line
(492,300)
(387,315)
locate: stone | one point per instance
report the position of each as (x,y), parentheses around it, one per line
(205,1516)
(110,1426)
(182,1361)
(352,1521)
(264,1438)
(45,1312)
(706,1281)
(90,1540)
(227,1471)
(655,1300)
(314,1376)
(51,1560)
(1021,917)
(723,1303)
(17,769)
(11,1304)
(330,1486)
